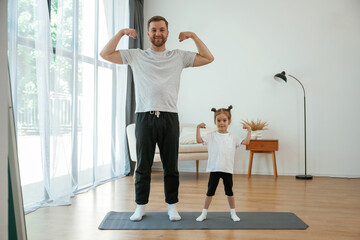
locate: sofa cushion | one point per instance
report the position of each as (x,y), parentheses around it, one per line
(188,134)
(186,156)
(188,148)
(184,148)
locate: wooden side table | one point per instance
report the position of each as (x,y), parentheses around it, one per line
(263,146)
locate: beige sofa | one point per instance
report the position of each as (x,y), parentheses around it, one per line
(188,149)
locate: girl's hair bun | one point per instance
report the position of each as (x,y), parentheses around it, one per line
(226,111)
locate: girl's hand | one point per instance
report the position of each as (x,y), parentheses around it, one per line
(201,125)
(247,127)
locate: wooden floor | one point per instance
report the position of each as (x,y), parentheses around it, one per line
(330,206)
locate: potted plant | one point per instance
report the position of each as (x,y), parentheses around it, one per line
(257,127)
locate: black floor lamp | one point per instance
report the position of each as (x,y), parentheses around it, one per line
(282,78)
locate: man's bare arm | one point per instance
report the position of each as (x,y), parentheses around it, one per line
(109,52)
(204,55)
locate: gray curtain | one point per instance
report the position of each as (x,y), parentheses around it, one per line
(136,8)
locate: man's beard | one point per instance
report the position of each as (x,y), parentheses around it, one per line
(158,44)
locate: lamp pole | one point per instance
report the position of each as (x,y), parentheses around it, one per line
(303,176)
(282,76)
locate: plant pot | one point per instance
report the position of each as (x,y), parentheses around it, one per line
(256,134)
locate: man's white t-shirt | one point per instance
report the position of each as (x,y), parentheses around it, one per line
(157,77)
(221,150)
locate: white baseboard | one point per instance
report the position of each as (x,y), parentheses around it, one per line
(203,169)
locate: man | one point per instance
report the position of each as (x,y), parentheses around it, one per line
(156,78)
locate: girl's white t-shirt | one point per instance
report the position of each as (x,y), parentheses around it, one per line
(221,150)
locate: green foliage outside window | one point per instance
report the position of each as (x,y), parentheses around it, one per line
(26,85)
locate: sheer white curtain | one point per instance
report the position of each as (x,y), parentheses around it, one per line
(69,103)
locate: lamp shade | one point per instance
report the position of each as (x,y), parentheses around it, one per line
(281,77)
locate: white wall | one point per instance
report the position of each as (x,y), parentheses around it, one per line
(3,122)
(316,41)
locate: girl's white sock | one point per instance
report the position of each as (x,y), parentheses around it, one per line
(233,215)
(202,217)
(173,213)
(139,213)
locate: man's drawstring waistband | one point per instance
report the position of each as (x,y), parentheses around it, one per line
(157,113)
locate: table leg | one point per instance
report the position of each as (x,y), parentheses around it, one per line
(250,163)
(197,166)
(274,164)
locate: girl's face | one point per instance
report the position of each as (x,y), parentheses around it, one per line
(222,122)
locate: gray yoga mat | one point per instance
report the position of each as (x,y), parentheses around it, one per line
(214,220)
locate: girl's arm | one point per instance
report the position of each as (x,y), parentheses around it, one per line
(246,141)
(198,136)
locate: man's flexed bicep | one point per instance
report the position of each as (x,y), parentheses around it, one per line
(200,61)
(204,55)
(109,52)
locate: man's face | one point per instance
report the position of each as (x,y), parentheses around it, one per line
(158,33)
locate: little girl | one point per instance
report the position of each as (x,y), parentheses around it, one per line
(221,148)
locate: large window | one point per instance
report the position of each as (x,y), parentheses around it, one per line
(69,114)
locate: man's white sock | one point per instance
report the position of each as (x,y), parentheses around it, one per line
(234,217)
(139,213)
(202,217)
(173,213)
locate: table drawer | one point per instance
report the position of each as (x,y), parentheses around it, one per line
(263,145)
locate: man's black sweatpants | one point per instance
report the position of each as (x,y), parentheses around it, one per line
(161,128)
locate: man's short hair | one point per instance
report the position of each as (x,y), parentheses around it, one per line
(157,19)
